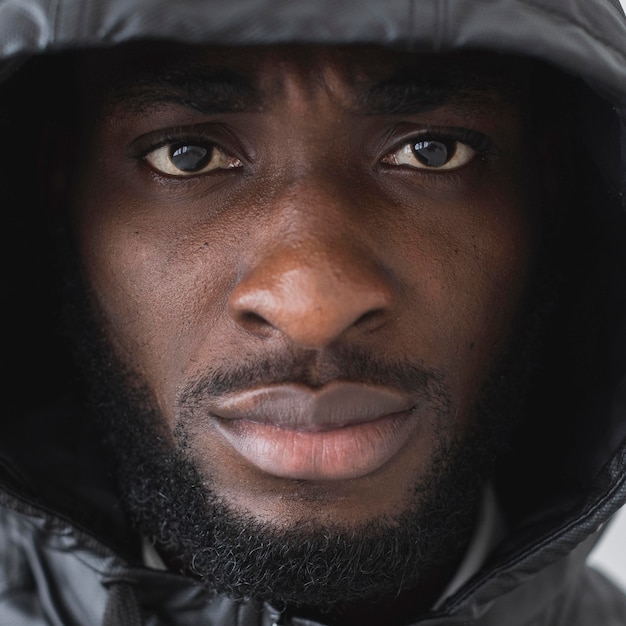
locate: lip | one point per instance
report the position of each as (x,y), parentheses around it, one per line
(338,432)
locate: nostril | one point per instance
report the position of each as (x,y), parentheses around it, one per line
(253,321)
(371,319)
(311,304)
(253,318)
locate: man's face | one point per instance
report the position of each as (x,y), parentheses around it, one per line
(311,259)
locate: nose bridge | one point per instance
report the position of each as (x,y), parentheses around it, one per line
(317,276)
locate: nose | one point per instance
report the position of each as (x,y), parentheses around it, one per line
(313,294)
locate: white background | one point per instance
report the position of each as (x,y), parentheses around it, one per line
(610,554)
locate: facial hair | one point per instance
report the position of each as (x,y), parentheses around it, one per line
(176,507)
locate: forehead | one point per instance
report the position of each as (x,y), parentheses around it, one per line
(364,78)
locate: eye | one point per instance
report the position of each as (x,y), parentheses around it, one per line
(432,153)
(185,158)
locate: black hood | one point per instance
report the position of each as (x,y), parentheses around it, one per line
(567,474)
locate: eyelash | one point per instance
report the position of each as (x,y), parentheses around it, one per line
(473,138)
(172,138)
(482,145)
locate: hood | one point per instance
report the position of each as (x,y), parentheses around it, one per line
(567,473)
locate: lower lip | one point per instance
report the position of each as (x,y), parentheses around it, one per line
(335,454)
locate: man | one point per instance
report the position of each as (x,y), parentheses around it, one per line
(326,302)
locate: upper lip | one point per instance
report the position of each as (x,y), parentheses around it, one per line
(299,407)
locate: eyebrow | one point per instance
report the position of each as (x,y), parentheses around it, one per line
(213,90)
(410,93)
(206,89)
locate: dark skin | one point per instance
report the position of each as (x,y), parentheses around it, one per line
(304,200)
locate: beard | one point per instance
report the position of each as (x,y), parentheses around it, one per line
(179,508)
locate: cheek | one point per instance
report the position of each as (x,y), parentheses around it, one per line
(472,266)
(158,296)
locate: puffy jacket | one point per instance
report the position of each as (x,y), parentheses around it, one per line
(67,556)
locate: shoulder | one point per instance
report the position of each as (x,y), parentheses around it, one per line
(591,599)
(596,600)
(564,594)
(19,605)
(49,573)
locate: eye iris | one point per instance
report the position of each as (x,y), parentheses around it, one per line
(190,158)
(433,153)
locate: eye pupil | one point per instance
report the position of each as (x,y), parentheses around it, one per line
(190,158)
(433,153)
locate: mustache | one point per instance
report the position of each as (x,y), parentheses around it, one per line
(315,370)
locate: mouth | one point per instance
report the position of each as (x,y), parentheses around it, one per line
(341,431)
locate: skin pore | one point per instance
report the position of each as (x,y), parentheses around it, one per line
(344,230)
